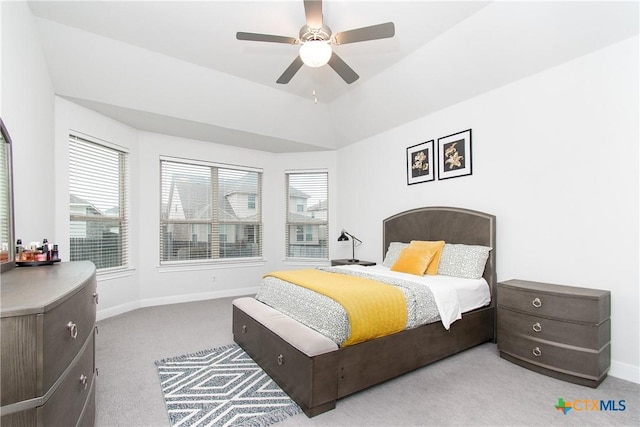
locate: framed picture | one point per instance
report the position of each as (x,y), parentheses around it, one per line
(420,167)
(454,155)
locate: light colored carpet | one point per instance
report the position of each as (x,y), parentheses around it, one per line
(473,388)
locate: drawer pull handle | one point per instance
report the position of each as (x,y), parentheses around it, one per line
(244,329)
(280,360)
(73,330)
(537,303)
(537,352)
(95,297)
(537,327)
(83,381)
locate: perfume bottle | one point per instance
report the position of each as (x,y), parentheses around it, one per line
(19,250)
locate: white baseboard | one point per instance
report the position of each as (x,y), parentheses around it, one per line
(625,371)
(115,311)
(175,299)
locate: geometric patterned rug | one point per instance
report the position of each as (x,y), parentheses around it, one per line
(221,387)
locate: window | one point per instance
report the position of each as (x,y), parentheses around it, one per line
(209,211)
(98,192)
(307,215)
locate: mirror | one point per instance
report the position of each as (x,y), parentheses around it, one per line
(7,239)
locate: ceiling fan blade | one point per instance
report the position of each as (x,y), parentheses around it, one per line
(313,13)
(374,32)
(265,38)
(343,70)
(290,71)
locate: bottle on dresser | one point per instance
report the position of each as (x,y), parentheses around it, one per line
(45,250)
(19,249)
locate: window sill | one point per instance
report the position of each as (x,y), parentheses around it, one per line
(195,266)
(307,261)
(112,274)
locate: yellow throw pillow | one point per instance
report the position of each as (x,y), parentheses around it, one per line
(413,261)
(432,246)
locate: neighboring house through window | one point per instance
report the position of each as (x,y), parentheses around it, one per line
(307,215)
(209,211)
(98,197)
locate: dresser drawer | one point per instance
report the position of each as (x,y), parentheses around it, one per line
(592,337)
(69,399)
(555,301)
(587,364)
(66,328)
(88,416)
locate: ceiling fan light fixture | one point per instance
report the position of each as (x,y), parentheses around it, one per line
(315,53)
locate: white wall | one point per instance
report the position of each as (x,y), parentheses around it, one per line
(27,111)
(555,158)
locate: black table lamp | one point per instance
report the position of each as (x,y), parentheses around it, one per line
(343,238)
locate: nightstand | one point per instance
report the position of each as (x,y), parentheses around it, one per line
(560,331)
(348,262)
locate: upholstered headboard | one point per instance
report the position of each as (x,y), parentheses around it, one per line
(453,225)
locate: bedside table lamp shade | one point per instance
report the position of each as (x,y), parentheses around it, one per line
(344,236)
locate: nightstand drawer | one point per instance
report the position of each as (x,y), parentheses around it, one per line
(592,337)
(582,363)
(555,301)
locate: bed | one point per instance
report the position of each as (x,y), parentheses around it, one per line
(315,372)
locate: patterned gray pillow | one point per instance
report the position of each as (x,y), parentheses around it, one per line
(393,252)
(465,261)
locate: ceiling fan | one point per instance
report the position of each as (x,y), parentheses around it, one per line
(315,40)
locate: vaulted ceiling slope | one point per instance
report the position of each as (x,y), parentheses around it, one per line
(176,67)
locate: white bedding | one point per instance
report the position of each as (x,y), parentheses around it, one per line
(454,296)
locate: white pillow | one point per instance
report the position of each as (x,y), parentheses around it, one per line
(393,252)
(465,261)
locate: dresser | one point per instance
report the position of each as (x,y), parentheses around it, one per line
(560,331)
(47,361)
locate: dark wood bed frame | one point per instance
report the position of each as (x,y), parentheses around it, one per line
(316,383)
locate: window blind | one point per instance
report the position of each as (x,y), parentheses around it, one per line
(98,194)
(307,215)
(209,211)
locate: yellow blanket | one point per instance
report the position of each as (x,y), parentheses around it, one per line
(374,308)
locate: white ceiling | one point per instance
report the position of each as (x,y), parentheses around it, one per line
(176,67)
